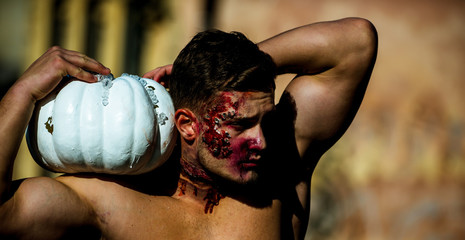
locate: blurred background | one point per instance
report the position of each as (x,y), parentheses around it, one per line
(398,172)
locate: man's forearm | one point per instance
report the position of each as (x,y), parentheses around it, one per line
(333,62)
(15,111)
(318,47)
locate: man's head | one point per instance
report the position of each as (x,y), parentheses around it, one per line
(215,61)
(222,86)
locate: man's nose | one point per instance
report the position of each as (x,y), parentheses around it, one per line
(258,141)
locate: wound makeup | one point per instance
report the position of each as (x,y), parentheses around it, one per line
(217,139)
(194,171)
(212,195)
(213,198)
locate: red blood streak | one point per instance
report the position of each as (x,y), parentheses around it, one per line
(213,198)
(182,188)
(218,140)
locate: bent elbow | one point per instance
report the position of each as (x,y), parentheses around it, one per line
(366,37)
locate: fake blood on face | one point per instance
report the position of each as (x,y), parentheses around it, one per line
(243,151)
(246,152)
(218,140)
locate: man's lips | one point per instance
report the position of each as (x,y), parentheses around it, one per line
(251,162)
(252,159)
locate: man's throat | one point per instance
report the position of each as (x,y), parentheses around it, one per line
(195,173)
(199,188)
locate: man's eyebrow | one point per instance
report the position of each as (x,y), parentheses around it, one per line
(251,117)
(243,119)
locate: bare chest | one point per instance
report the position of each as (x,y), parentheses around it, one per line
(168,218)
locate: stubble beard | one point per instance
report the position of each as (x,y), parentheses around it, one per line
(221,173)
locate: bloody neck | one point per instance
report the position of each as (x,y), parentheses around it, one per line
(195,182)
(194,172)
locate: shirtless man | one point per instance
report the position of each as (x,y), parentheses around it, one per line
(244,165)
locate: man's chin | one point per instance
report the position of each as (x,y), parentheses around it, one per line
(251,188)
(250,177)
(244,178)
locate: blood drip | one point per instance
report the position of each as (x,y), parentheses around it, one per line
(182,188)
(213,198)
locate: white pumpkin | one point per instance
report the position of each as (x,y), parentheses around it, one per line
(120,126)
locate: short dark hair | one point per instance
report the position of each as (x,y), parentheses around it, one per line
(215,61)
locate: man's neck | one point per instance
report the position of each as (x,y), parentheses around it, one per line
(195,183)
(195,173)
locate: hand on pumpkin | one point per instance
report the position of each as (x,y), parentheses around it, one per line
(160,75)
(49,69)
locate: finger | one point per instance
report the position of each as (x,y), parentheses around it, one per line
(68,54)
(168,69)
(82,60)
(151,73)
(87,63)
(79,60)
(80,73)
(159,73)
(162,76)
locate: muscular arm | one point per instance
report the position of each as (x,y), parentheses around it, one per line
(40,199)
(333,62)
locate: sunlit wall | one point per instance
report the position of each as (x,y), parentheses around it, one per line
(398,172)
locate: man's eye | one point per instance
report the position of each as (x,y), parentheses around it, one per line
(241,125)
(236,125)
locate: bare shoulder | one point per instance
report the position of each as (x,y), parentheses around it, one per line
(125,206)
(44,208)
(80,206)
(100,192)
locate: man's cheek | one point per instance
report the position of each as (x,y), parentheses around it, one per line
(240,149)
(218,142)
(217,139)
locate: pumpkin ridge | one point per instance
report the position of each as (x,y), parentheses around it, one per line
(78,113)
(87,160)
(136,113)
(102,123)
(141,160)
(116,161)
(62,130)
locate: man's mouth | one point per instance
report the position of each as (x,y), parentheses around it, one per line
(250,164)
(252,160)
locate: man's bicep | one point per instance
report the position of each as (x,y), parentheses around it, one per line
(324,110)
(43,208)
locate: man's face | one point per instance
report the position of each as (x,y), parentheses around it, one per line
(232,140)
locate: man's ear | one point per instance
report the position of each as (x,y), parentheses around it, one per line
(187,124)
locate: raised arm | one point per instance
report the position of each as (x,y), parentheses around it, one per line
(333,62)
(16,109)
